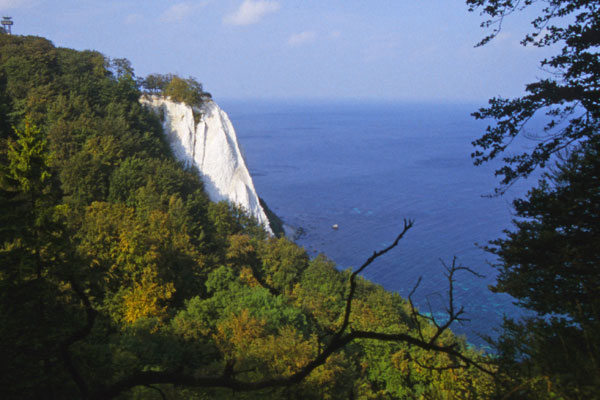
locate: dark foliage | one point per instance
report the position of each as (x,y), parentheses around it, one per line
(550,262)
(569,98)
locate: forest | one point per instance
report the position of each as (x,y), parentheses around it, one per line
(120,279)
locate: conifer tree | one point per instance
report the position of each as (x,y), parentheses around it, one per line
(550,262)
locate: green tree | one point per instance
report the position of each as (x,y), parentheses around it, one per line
(121,67)
(283,263)
(29,164)
(569,98)
(33,254)
(550,262)
(156,83)
(187,91)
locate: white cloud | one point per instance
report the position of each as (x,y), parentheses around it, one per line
(251,12)
(298,39)
(180,11)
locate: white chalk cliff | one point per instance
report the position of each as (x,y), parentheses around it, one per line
(211,146)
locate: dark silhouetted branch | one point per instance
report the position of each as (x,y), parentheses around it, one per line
(77,336)
(348,310)
(160,392)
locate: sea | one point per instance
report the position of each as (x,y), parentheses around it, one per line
(366,166)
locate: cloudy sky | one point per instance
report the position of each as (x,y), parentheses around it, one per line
(321,49)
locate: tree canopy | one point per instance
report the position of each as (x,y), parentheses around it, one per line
(550,261)
(188,91)
(551,264)
(569,97)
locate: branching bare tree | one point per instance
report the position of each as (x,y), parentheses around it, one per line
(452,314)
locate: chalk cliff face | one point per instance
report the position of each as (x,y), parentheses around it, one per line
(210,144)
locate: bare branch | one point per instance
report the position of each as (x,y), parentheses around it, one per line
(77,336)
(160,392)
(407,225)
(156,377)
(414,314)
(454,314)
(401,337)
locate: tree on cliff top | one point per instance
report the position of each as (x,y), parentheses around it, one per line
(188,91)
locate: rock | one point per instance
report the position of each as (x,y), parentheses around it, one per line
(204,137)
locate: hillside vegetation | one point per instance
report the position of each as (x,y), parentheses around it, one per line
(119,278)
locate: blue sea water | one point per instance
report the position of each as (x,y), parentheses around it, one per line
(367,166)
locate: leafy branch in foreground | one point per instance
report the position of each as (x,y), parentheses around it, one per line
(343,336)
(568,100)
(549,261)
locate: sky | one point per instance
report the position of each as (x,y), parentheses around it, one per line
(402,50)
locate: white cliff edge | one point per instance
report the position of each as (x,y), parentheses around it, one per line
(211,146)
